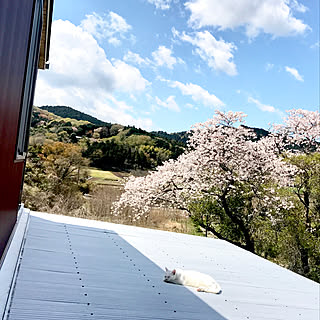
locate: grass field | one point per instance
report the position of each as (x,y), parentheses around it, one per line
(109,187)
(99,207)
(103,177)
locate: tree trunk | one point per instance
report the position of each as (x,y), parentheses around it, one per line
(220,236)
(206,225)
(246,233)
(250,245)
(305,260)
(306,198)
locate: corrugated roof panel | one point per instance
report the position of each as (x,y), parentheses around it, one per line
(79,269)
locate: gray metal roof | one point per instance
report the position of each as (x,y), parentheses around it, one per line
(80,269)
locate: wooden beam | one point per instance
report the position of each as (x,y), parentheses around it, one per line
(45,33)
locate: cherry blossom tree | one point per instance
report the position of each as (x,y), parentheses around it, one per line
(298,142)
(225,166)
(299,133)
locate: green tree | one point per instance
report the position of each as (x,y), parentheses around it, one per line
(63,165)
(298,142)
(303,224)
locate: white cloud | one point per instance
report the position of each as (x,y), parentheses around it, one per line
(163,57)
(122,105)
(175,32)
(218,54)
(86,79)
(154,108)
(274,17)
(191,106)
(161,4)
(118,23)
(114,41)
(135,58)
(269,66)
(197,93)
(295,5)
(263,107)
(170,103)
(128,78)
(110,26)
(294,72)
(197,69)
(117,111)
(315,45)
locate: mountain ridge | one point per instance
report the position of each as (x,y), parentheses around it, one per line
(180,136)
(69,112)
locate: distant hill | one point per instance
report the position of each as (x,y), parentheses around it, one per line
(68,112)
(261,133)
(180,137)
(177,136)
(183,136)
(106,146)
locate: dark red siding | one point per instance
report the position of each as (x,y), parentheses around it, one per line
(15,23)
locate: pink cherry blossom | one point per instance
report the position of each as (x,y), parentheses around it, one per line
(221,156)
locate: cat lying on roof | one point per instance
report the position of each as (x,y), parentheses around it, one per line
(202,281)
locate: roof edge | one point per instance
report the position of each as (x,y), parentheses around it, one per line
(47,13)
(10,260)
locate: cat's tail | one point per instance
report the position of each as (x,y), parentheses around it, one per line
(215,288)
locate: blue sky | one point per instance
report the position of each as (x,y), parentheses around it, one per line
(168,64)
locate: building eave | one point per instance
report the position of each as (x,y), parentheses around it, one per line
(45,34)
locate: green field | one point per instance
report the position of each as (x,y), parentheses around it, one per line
(103,177)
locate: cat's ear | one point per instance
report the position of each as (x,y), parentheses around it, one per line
(167,269)
(174,271)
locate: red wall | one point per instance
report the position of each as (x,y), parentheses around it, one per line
(15,22)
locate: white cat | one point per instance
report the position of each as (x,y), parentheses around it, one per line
(202,281)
